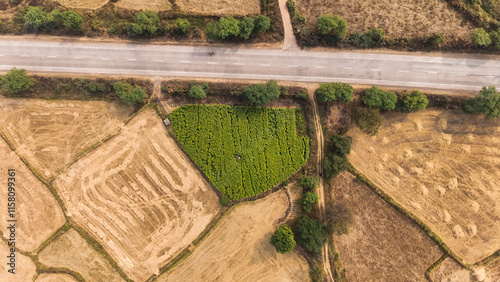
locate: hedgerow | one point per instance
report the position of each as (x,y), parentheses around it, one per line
(243,151)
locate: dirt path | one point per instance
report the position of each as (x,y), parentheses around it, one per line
(289,43)
(319,166)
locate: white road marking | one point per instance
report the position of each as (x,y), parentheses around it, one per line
(25,56)
(51,56)
(462,74)
(1,55)
(347,68)
(131,60)
(375,69)
(320,67)
(157,60)
(293,66)
(77,57)
(239,64)
(104,58)
(403,71)
(265,65)
(185,62)
(490,76)
(211,63)
(432,72)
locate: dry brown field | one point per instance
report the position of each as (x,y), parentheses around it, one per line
(50,134)
(140,196)
(238,249)
(443,166)
(83,4)
(25,268)
(49,277)
(451,271)
(408,18)
(382,244)
(38,214)
(152,5)
(71,251)
(219,7)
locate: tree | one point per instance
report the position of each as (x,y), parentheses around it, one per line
(311,234)
(96,87)
(246,27)
(378,98)
(339,218)
(197,92)
(54,19)
(328,92)
(35,17)
(16,80)
(147,22)
(435,40)
(341,145)
(282,239)
(128,95)
(262,23)
(133,29)
(368,120)
(309,182)
(72,20)
(481,37)
(376,36)
(332,25)
(487,102)
(333,165)
(261,94)
(495,36)
(309,200)
(413,101)
(181,26)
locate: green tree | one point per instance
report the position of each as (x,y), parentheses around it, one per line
(309,200)
(341,145)
(328,92)
(54,19)
(339,218)
(181,26)
(311,234)
(128,94)
(282,239)
(481,37)
(495,36)
(72,20)
(413,101)
(96,87)
(133,29)
(309,182)
(147,21)
(333,25)
(16,80)
(262,23)
(435,40)
(333,165)
(197,92)
(368,120)
(35,17)
(261,94)
(246,27)
(487,102)
(378,98)
(376,35)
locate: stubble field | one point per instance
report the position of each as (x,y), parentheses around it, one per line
(444,167)
(382,244)
(25,268)
(140,196)
(238,249)
(49,277)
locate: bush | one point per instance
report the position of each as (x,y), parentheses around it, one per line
(181,26)
(435,40)
(333,25)
(223,201)
(328,92)
(372,38)
(72,20)
(376,35)
(128,95)
(480,37)
(378,98)
(309,182)
(35,17)
(54,19)
(96,87)
(301,95)
(317,273)
(487,102)
(197,92)
(413,101)
(339,218)
(246,27)
(133,30)
(226,27)
(341,145)
(261,94)
(368,120)
(282,239)
(262,23)
(311,234)
(495,36)
(292,7)
(333,165)
(147,22)
(309,200)
(16,80)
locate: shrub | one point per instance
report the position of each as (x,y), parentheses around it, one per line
(487,102)
(309,182)
(261,94)
(282,239)
(72,20)
(16,80)
(328,92)
(96,87)
(246,27)
(54,19)
(181,26)
(435,40)
(317,273)
(368,120)
(223,201)
(133,29)
(309,200)
(147,22)
(262,23)
(495,36)
(197,92)
(35,17)
(333,165)
(292,7)
(481,37)
(128,95)
(301,95)
(376,35)
(341,145)
(332,24)
(339,218)
(226,27)
(413,101)
(311,234)
(372,38)
(378,98)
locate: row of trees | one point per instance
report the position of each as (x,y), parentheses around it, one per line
(386,100)
(309,232)
(231,28)
(36,18)
(484,39)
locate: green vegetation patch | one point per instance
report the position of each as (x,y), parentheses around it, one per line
(243,151)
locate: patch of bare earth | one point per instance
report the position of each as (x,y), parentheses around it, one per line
(443,166)
(83,4)
(37,213)
(382,244)
(238,249)
(152,5)
(24,270)
(219,7)
(50,134)
(50,277)
(71,251)
(140,196)
(407,18)
(450,271)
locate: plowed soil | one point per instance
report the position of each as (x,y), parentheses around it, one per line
(46,277)
(140,196)
(220,7)
(444,167)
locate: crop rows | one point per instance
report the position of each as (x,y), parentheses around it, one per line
(243,151)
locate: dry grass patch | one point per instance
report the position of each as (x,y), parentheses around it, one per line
(219,7)
(71,251)
(444,167)
(25,268)
(451,271)
(50,134)
(49,277)
(83,4)
(140,196)
(382,244)
(152,5)
(238,249)
(37,212)
(408,18)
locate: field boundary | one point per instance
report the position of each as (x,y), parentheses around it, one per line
(434,266)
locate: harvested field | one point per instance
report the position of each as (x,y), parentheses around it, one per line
(25,268)
(443,166)
(83,4)
(71,251)
(219,7)
(37,212)
(408,18)
(152,5)
(140,196)
(450,271)
(50,134)
(46,277)
(238,249)
(382,244)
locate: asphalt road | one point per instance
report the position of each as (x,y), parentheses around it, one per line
(414,71)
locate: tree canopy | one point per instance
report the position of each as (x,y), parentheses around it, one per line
(481,37)
(311,234)
(246,27)
(328,92)
(378,98)
(262,23)
(72,20)
(282,239)
(341,144)
(197,92)
(181,25)
(413,101)
(309,200)
(128,94)
(16,80)
(309,182)
(261,94)
(333,165)
(226,27)
(332,25)
(486,102)
(35,17)
(147,22)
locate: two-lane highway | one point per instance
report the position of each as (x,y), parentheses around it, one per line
(235,63)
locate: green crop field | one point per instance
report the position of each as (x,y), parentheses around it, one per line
(243,151)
